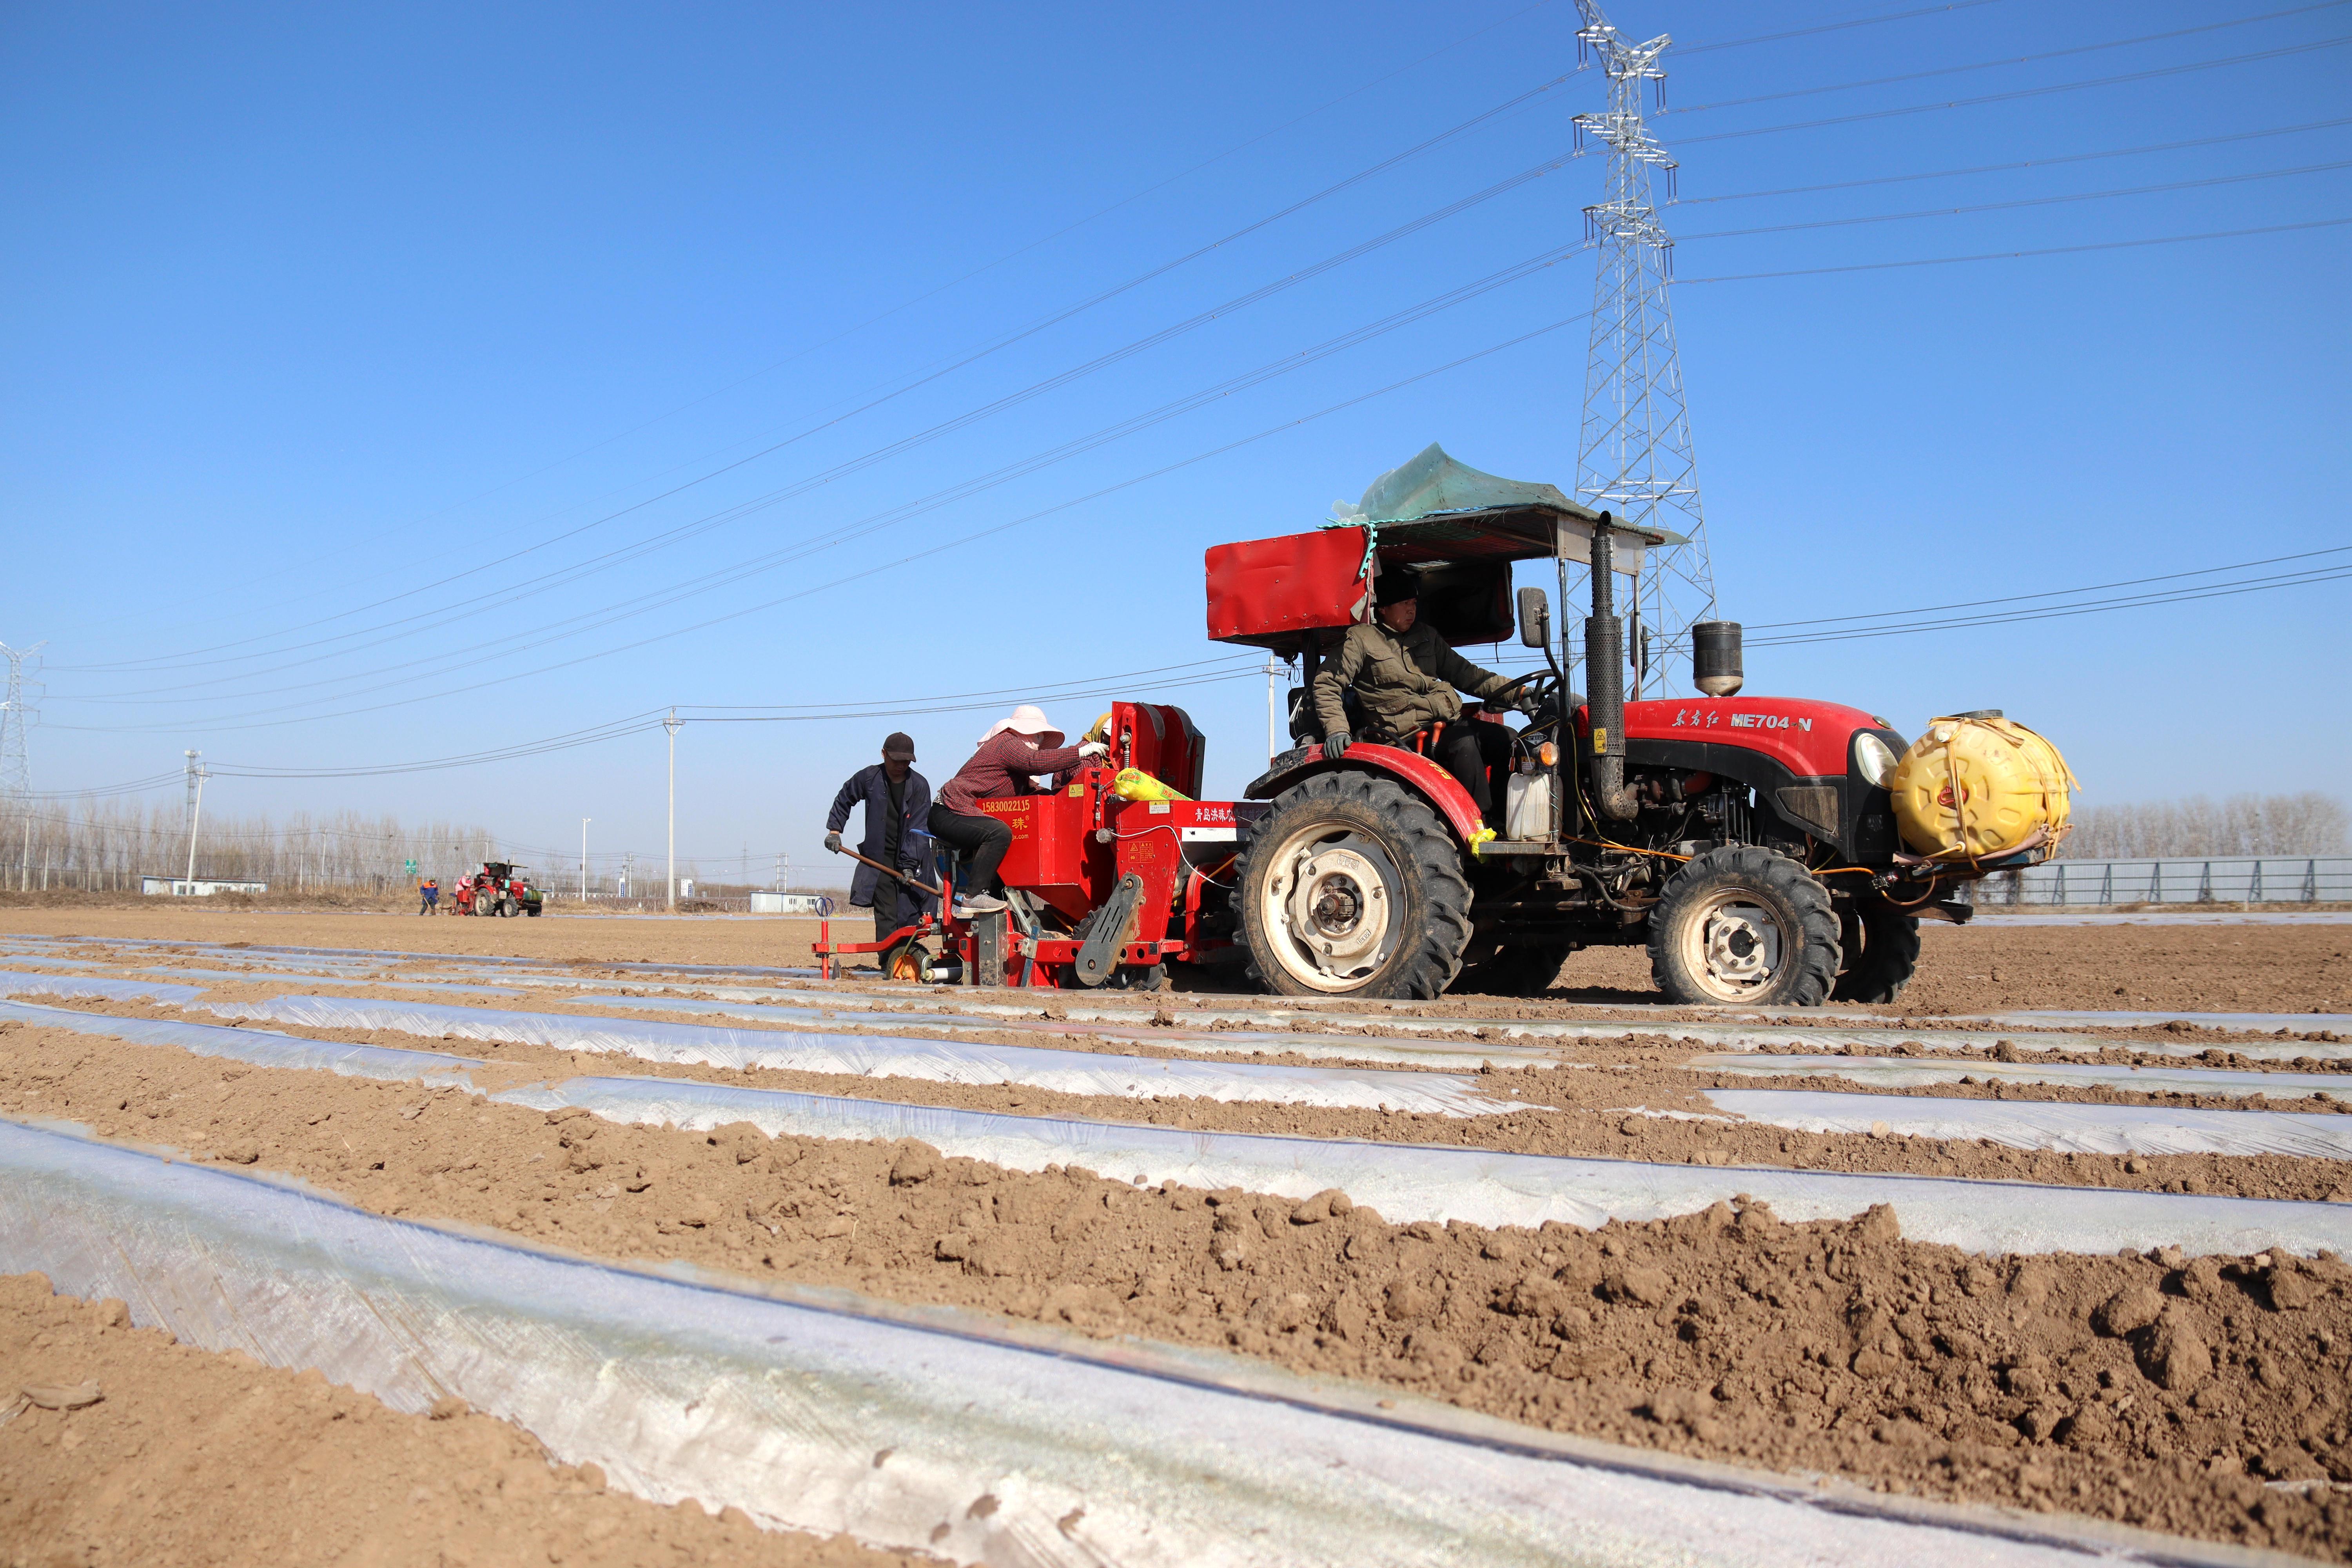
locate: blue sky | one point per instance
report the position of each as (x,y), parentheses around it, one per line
(341,347)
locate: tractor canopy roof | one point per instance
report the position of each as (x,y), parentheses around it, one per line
(1457,529)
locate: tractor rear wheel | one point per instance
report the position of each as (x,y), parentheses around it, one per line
(1881,950)
(1744,924)
(1352,887)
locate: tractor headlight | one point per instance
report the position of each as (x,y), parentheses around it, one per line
(1874,760)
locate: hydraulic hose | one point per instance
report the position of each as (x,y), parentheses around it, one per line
(1604,656)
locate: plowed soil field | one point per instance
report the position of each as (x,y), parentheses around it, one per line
(2205,1395)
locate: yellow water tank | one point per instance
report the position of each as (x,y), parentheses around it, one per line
(1978,787)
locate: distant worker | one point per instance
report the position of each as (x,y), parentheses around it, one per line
(1407,682)
(1019,748)
(896,799)
(429,893)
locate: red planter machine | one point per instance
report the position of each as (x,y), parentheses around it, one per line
(1105,890)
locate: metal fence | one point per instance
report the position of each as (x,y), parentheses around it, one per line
(2267,879)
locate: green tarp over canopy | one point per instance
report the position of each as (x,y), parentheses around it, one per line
(1435,485)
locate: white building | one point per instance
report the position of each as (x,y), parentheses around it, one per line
(202,887)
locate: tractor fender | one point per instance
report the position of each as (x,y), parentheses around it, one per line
(1424,777)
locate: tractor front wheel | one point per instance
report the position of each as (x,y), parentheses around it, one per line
(1744,924)
(1352,887)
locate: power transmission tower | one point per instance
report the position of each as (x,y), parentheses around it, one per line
(1633,455)
(15,760)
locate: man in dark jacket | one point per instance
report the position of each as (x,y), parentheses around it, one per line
(898,802)
(1407,681)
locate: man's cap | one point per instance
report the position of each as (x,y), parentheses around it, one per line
(899,747)
(1395,587)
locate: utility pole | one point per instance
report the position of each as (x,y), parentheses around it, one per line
(584,857)
(672,724)
(15,762)
(196,776)
(1633,455)
(780,873)
(1273,670)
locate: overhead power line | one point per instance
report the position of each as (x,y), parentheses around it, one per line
(2060,593)
(1701,48)
(2016,254)
(2017,93)
(2021,201)
(923,554)
(523,640)
(1205,456)
(2022,164)
(2005,609)
(2009,60)
(2054,612)
(997,405)
(465,610)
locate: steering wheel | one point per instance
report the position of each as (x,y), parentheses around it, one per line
(1539,683)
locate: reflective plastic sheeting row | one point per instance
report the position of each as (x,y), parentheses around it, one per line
(910,1436)
(99,987)
(884,1056)
(260,1047)
(1233,1042)
(2055,1125)
(1408,1182)
(1918,1072)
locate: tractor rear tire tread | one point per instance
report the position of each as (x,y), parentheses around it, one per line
(1806,977)
(1427,962)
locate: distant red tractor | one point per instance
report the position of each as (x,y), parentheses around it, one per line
(496,887)
(1750,844)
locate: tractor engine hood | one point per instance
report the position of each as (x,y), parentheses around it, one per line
(1797,754)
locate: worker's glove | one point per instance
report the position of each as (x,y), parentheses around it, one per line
(832,842)
(1335,745)
(1093,749)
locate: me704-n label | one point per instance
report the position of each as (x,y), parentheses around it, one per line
(1698,719)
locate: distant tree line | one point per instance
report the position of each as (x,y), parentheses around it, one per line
(2247,825)
(106,845)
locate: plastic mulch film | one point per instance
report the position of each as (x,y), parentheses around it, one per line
(387,982)
(2048,1125)
(884,1056)
(2251,1023)
(1728,1036)
(1416,1181)
(1920,1072)
(43,961)
(845,1416)
(14,983)
(1232,1042)
(262,1048)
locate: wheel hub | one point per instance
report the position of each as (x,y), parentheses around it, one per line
(1332,904)
(1741,945)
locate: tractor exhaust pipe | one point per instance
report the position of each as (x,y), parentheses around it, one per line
(1605,658)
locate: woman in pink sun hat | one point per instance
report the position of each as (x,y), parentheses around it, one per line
(1020,744)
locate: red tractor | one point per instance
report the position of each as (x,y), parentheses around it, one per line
(1750,844)
(496,887)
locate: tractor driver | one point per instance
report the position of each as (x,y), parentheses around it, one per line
(1408,682)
